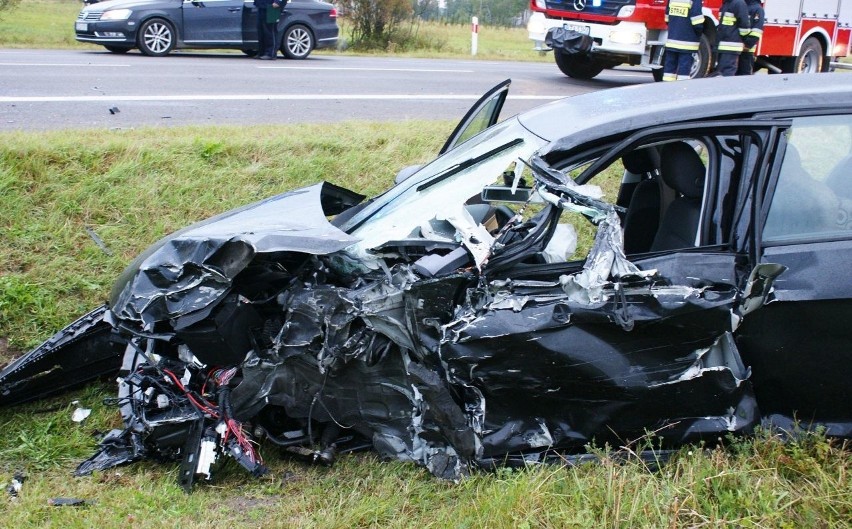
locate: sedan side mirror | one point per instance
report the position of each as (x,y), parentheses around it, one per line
(405,173)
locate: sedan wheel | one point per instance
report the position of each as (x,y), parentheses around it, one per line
(298,42)
(156,38)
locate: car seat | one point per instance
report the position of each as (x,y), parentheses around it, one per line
(642,218)
(840,178)
(681,169)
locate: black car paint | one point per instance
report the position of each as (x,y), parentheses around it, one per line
(217,24)
(504,360)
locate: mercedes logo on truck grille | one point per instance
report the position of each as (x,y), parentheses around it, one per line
(579,5)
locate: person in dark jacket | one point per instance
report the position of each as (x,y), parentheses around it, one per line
(686,24)
(268,12)
(733,25)
(756,16)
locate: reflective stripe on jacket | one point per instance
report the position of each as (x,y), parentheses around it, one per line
(734,24)
(756,17)
(685,23)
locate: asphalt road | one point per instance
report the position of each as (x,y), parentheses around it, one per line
(58,89)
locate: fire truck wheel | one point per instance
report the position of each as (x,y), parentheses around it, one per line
(578,66)
(702,60)
(810,59)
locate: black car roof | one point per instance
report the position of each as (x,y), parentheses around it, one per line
(576,120)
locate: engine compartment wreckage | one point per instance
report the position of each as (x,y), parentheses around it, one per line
(433,324)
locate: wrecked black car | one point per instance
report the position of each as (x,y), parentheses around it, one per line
(453,321)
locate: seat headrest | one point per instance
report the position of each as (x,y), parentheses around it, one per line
(792,156)
(682,169)
(641,161)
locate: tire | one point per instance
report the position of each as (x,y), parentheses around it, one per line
(298,42)
(702,60)
(250,53)
(578,66)
(156,37)
(810,59)
(117,49)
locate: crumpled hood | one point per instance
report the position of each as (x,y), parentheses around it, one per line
(193,268)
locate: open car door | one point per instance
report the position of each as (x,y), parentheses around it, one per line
(483,114)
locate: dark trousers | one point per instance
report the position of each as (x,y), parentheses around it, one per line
(677,65)
(745,66)
(727,63)
(267,34)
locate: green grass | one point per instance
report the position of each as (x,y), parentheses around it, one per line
(40,24)
(131,187)
(50,24)
(761,482)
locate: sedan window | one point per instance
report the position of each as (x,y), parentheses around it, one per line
(813,196)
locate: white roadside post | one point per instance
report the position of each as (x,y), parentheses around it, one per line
(474,36)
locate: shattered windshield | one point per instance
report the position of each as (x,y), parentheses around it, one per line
(443,186)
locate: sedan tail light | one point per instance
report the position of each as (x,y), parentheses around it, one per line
(333,13)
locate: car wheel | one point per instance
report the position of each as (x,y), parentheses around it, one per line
(250,53)
(810,59)
(117,49)
(578,66)
(156,37)
(298,42)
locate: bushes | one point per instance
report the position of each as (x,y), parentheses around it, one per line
(374,22)
(6,5)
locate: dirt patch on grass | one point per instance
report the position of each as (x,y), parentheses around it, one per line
(247,504)
(7,353)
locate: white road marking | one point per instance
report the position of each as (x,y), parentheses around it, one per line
(64,64)
(425,70)
(263,97)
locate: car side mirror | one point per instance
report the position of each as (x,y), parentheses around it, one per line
(405,173)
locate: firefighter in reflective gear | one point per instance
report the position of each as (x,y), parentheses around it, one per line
(756,16)
(686,24)
(733,25)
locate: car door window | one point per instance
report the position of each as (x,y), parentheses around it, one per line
(677,191)
(212,21)
(813,195)
(481,115)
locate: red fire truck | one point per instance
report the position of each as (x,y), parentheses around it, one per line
(798,36)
